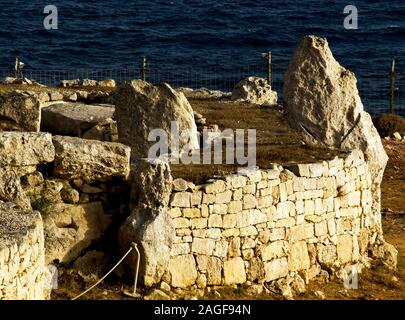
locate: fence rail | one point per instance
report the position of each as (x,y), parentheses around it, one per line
(374,89)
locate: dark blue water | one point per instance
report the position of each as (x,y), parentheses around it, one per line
(211,41)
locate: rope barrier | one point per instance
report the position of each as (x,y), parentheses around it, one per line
(134,246)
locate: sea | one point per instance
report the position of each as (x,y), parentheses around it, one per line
(206,43)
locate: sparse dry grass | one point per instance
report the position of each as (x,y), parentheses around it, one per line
(276,142)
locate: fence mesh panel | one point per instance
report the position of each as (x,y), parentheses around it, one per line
(374,90)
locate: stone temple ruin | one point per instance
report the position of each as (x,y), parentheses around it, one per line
(62,193)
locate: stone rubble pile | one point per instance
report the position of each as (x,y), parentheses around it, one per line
(254,90)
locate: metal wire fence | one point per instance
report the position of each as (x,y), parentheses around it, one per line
(374,89)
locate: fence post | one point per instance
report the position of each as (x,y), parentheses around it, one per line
(392,76)
(143,68)
(16,66)
(269,67)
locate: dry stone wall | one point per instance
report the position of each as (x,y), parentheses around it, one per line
(23,274)
(79,188)
(270,224)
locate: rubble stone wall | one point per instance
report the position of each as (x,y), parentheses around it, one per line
(23,275)
(270,224)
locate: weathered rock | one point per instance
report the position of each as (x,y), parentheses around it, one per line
(386,253)
(11,190)
(43,97)
(142,107)
(73,119)
(99,97)
(23,274)
(234,271)
(254,90)
(151,183)
(322,101)
(110,83)
(44,193)
(183,271)
(213,268)
(90,160)
(298,258)
(69,96)
(92,265)
(69,195)
(156,294)
(69,229)
(180,185)
(203,93)
(106,130)
(152,229)
(20,111)
(397,136)
(89,83)
(69,83)
(19,149)
(56,96)
(298,285)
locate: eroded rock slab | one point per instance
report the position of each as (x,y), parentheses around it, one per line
(90,160)
(142,107)
(323,103)
(18,149)
(69,118)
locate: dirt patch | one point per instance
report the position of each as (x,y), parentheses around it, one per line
(276,141)
(393,184)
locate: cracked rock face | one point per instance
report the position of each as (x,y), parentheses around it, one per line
(323,103)
(90,160)
(71,118)
(142,107)
(20,111)
(254,90)
(149,225)
(69,229)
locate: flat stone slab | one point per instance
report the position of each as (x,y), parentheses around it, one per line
(90,160)
(25,148)
(70,118)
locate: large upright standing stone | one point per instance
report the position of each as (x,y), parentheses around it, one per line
(323,103)
(149,225)
(142,107)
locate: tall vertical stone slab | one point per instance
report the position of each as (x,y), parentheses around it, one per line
(323,103)
(142,107)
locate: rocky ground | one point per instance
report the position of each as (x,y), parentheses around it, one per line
(375,284)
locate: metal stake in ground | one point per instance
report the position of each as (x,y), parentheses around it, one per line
(392,76)
(134,294)
(143,68)
(269,67)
